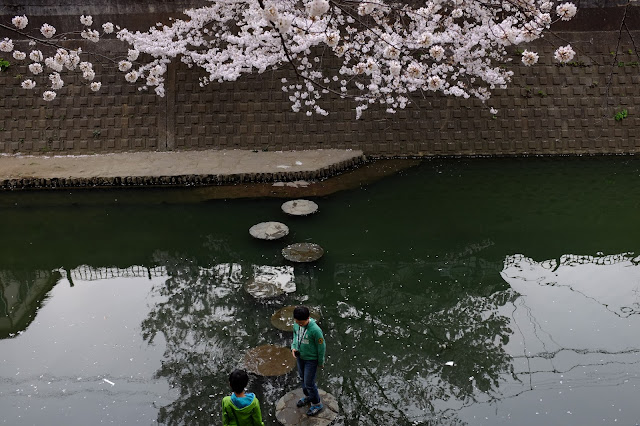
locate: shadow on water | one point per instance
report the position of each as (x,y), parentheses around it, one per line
(428,285)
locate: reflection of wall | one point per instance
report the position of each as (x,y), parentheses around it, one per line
(612,282)
(89,273)
(20,297)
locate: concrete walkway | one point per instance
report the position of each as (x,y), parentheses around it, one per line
(173,168)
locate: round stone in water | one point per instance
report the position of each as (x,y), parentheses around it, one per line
(299,207)
(287,413)
(302,252)
(283,317)
(261,289)
(269,360)
(269,230)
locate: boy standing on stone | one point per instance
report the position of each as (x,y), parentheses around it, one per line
(308,347)
(240,408)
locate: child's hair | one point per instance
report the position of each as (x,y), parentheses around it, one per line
(238,379)
(301,313)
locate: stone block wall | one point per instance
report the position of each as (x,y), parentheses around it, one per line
(548,109)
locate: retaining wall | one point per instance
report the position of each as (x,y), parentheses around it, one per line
(548,109)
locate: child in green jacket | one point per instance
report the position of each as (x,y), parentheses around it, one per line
(240,408)
(309,348)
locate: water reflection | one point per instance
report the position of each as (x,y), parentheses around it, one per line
(208,321)
(392,328)
(442,341)
(396,341)
(21,295)
(575,334)
(81,359)
(390,344)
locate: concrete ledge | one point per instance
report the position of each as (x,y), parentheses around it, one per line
(186,168)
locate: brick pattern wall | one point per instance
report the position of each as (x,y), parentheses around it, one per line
(548,109)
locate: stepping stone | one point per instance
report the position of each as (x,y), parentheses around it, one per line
(303,252)
(271,281)
(288,414)
(269,360)
(299,207)
(283,318)
(263,289)
(269,230)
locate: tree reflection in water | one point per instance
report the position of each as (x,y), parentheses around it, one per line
(395,339)
(389,338)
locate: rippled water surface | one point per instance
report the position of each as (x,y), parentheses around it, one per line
(457,292)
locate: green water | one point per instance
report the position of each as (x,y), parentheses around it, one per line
(479,292)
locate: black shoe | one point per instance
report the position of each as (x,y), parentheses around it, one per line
(303,401)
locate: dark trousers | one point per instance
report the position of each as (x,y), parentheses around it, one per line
(307,370)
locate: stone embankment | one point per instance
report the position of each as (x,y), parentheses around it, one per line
(178,168)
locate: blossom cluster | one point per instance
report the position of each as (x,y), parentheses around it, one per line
(386,52)
(60,60)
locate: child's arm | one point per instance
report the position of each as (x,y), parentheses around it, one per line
(294,344)
(225,415)
(321,347)
(256,417)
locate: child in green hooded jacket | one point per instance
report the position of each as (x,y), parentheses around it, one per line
(240,408)
(308,347)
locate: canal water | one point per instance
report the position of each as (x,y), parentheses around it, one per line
(456,292)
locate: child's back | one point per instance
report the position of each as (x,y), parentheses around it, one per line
(240,408)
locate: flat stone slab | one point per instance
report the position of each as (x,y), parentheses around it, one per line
(299,207)
(171,163)
(269,360)
(174,168)
(269,230)
(288,414)
(282,319)
(303,252)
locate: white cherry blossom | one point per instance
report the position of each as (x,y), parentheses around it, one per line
(86,20)
(529,58)
(20,22)
(124,66)
(56,81)
(317,7)
(564,54)
(132,54)
(36,68)
(49,95)
(28,84)
(36,56)
(107,28)
(566,11)
(132,76)
(91,35)
(6,45)
(48,31)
